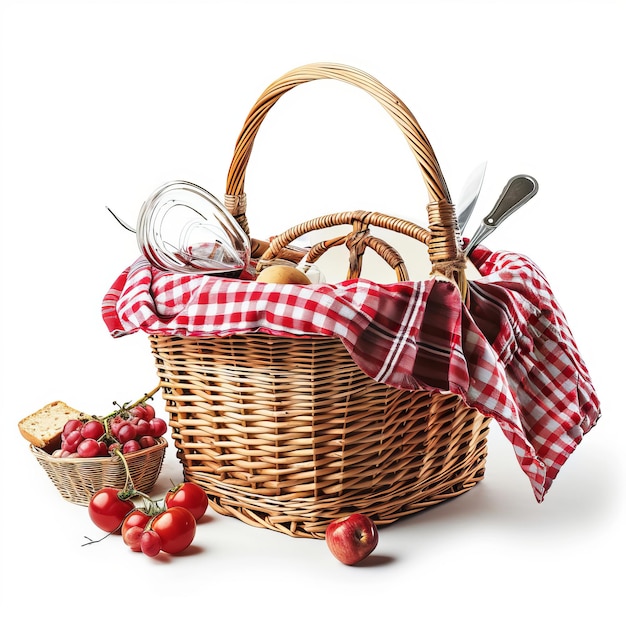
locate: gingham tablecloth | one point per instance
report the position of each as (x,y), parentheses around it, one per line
(510,353)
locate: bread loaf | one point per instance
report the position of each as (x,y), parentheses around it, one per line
(44,427)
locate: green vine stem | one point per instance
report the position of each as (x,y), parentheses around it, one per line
(129,491)
(126,406)
(106,420)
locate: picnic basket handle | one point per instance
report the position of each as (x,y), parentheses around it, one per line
(357,241)
(443,239)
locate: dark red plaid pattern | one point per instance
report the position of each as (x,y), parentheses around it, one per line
(509,353)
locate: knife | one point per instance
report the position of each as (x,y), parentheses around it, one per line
(469,195)
(517,192)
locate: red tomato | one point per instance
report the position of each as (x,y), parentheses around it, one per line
(132,528)
(150,412)
(150,543)
(190,496)
(107,510)
(176,527)
(132,537)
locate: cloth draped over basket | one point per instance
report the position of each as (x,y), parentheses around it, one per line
(507,351)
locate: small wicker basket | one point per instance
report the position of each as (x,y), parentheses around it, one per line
(78,479)
(287,433)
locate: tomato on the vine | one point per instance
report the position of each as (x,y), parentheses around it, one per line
(176,528)
(107,509)
(190,496)
(133,527)
(150,543)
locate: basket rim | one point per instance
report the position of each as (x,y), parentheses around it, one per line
(161,443)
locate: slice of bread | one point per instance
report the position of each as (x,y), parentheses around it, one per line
(43,428)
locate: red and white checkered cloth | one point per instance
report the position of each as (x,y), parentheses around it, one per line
(510,353)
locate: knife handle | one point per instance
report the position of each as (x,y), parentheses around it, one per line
(519,190)
(516,192)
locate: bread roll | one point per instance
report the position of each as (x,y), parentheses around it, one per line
(284,274)
(44,427)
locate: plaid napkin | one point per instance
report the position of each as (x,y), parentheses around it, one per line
(508,353)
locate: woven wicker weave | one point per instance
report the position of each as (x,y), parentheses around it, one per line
(287,433)
(78,479)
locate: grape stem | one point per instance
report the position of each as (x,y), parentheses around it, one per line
(126,406)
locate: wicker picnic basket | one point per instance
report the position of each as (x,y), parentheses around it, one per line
(78,479)
(287,433)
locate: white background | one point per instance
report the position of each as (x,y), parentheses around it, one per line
(101,102)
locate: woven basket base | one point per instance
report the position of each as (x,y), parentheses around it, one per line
(289,434)
(309,518)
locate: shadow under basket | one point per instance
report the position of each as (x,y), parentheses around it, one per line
(288,433)
(78,479)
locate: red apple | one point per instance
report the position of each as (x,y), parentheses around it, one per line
(351,538)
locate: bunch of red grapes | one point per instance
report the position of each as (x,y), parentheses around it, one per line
(129,430)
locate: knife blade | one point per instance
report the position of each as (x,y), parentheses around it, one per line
(469,195)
